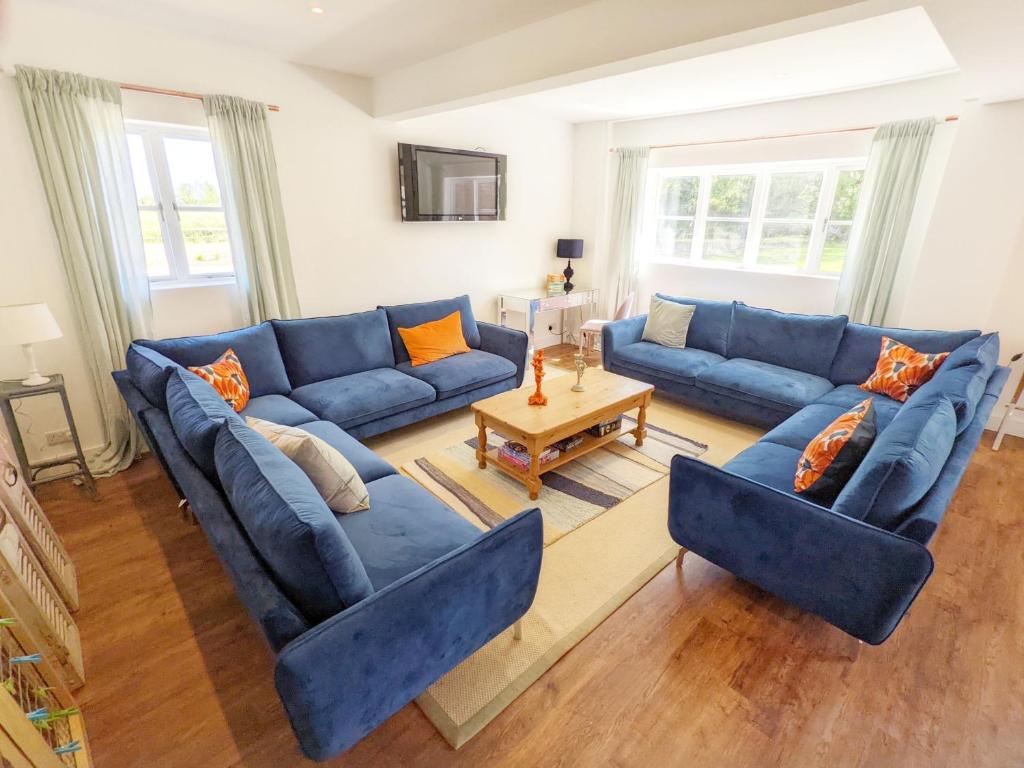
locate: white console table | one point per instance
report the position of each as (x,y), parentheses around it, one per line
(532,301)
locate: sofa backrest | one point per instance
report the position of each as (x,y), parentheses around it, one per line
(963,377)
(196,412)
(289,524)
(709,326)
(411,315)
(801,342)
(858,351)
(902,464)
(149,371)
(256,347)
(320,348)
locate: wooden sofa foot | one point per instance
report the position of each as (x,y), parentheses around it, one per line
(517,630)
(679,557)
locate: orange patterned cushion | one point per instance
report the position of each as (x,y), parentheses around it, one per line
(831,458)
(435,340)
(900,370)
(227,377)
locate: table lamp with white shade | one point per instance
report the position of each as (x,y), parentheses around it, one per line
(25,325)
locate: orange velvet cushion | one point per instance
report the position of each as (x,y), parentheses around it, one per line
(833,455)
(227,377)
(435,340)
(901,370)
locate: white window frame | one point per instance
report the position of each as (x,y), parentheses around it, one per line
(152,135)
(830,170)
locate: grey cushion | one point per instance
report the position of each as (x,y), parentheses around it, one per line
(668,323)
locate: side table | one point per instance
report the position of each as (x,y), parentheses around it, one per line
(15,390)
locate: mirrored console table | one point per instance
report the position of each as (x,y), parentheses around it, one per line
(532,301)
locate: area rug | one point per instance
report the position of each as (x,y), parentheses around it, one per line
(605,536)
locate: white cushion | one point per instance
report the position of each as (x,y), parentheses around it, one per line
(332,475)
(668,322)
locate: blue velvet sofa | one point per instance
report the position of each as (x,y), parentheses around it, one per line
(860,563)
(363,611)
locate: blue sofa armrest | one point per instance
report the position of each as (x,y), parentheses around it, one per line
(505,342)
(347,675)
(860,578)
(618,334)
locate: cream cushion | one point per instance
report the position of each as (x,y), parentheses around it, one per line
(668,322)
(332,474)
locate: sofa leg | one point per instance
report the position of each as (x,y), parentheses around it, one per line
(517,630)
(679,557)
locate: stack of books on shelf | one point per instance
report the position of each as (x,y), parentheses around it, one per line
(605,427)
(556,285)
(516,454)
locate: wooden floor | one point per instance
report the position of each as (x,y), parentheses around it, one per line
(697,669)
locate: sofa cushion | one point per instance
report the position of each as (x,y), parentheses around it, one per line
(411,315)
(770,464)
(901,370)
(846,396)
(405,528)
(149,371)
(196,412)
(759,382)
(256,347)
(832,456)
(683,364)
(804,425)
(801,342)
(368,464)
(461,373)
(227,377)
(668,322)
(858,351)
(963,377)
(709,326)
(288,523)
(361,397)
(319,348)
(902,465)
(278,409)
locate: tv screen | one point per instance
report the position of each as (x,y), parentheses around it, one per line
(451,184)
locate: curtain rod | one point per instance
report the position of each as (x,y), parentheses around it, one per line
(852,129)
(171,92)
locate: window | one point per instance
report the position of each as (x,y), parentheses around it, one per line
(183,223)
(780,217)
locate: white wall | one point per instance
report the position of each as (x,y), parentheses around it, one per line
(339,181)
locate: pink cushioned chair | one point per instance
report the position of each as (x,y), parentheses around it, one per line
(591,329)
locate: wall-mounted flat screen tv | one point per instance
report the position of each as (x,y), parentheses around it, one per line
(451,184)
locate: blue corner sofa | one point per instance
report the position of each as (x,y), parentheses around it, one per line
(363,610)
(860,563)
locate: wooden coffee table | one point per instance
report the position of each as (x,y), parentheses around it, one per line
(607,396)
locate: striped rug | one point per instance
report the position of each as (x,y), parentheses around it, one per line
(572,495)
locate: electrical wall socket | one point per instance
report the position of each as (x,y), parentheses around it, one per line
(60,437)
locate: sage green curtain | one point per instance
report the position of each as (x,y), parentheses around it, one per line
(77,131)
(252,199)
(895,166)
(627,217)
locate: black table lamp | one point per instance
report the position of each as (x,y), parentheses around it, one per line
(569,249)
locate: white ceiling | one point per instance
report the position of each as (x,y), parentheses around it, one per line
(362,37)
(903,45)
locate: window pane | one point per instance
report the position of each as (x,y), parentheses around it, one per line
(140,170)
(193,172)
(731,196)
(674,238)
(833,254)
(793,195)
(206,242)
(784,245)
(724,241)
(153,240)
(679,196)
(847,192)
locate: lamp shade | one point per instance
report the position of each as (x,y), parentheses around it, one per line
(27,324)
(570,249)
